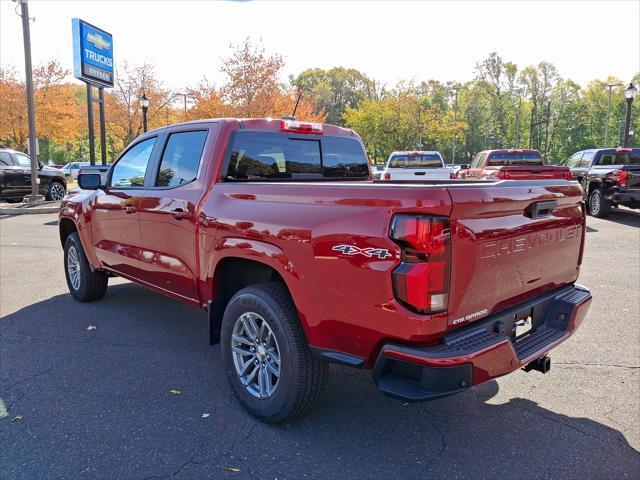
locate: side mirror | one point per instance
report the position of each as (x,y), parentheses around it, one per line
(464,166)
(40,165)
(89,181)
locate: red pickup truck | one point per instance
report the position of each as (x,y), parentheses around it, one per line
(512,164)
(276,229)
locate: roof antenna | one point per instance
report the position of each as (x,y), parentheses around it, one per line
(297,102)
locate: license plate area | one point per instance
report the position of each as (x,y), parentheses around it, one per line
(522,325)
(518,325)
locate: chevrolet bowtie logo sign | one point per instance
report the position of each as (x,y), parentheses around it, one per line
(98,41)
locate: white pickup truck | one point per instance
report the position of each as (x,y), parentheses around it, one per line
(417,165)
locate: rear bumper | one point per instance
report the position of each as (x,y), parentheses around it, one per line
(482,351)
(630,196)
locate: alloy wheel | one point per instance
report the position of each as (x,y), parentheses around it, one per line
(73,267)
(57,192)
(256,355)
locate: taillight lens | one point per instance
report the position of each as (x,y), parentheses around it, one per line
(294,126)
(453,176)
(568,175)
(503,175)
(623,176)
(421,281)
(386,176)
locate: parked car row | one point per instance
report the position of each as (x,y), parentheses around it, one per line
(610,177)
(15,178)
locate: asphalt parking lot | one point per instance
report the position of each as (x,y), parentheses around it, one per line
(81,403)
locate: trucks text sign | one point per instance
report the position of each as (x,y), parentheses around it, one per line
(92,54)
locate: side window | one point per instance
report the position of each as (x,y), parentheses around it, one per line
(131,168)
(586,159)
(481,160)
(23,160)
(181,158)
(574,160)
(5,159)
(474,162)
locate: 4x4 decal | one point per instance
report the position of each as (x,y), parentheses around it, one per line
(369,252)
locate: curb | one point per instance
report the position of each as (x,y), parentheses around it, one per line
(40,209)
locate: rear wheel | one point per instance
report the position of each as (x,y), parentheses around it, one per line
(598,205)
(266,357)
(84,285)
(56,191)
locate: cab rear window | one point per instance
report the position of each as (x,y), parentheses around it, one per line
(416,161)
(500,159)
(273,155)
(620,158)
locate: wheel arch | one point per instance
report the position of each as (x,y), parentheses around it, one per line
(233,273)
(66,227)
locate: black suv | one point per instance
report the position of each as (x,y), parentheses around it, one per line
(609,177)
(15,178)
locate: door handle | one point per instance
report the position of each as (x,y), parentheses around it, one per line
(129,209)
(179,214)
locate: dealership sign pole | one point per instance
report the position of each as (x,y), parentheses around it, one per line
(93,64)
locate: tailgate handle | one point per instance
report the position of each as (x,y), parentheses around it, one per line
(541,209)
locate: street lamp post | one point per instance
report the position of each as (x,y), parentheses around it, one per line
(144,103)
(629,93)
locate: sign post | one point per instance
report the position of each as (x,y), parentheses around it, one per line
(93,64)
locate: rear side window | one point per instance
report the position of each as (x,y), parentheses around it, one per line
(499,159)
(181,158)
(271,155)
(430,160)
(574,161)
(131,168)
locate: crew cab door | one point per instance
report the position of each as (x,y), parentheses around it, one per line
(11,177)
(115,221)
(168,211)
(22,174)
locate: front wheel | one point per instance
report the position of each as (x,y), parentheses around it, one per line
(56,191)
(268,363)
(85,285)
(599,206)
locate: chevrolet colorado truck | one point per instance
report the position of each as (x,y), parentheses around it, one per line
(609,177)
(300,259)
(417,165)
(512,164)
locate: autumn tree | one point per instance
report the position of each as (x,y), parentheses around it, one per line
(122,104)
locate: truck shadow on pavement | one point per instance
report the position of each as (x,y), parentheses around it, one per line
(142,395)
(623,216)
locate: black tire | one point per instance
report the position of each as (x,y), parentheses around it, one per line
(91,285)
(301,379)
(599,206)
(56,191)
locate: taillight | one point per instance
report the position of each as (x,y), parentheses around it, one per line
(386,176)
(503,175)
(623,176)
(421,281)
(294,126)
(568,175)
(453,175)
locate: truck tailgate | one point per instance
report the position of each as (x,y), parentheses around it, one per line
(511,241)
(419,173)
(533,172)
